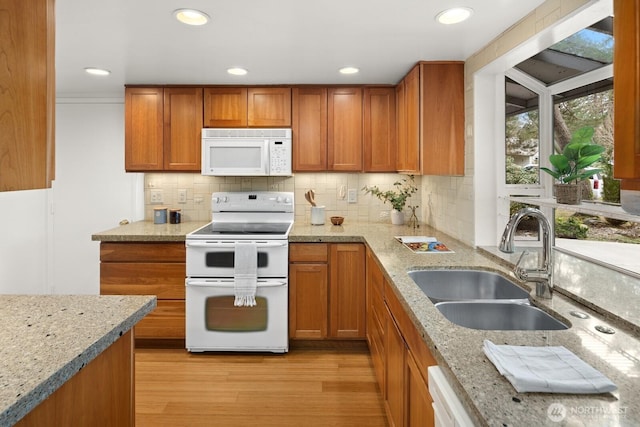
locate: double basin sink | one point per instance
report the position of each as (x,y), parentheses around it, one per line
(479,299)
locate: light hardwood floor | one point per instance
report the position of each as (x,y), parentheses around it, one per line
(305,387)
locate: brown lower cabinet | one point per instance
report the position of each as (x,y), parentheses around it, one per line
(327,291)
(143,268)
(100,394)
(400,356)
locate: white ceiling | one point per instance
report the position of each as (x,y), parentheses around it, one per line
(278,41)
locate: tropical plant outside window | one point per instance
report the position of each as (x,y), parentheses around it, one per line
(571,106)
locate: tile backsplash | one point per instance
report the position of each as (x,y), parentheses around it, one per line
(327,187)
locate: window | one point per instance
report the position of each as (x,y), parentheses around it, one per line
(547,97)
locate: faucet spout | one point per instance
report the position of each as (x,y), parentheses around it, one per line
(543,275)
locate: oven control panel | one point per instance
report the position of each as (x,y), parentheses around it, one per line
(260,201)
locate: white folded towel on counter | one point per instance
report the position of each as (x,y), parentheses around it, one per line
(245,274)
(546,370)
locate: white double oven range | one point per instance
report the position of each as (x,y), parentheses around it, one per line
(243,251)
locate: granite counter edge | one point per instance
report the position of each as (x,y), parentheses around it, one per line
(40,393)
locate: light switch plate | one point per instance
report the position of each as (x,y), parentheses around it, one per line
(352,195)
(156,197)
(182,195)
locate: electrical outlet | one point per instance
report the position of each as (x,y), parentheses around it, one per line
(182,196)
(352,195)
(156,196)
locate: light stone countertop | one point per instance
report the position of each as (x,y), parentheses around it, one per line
(46,339)
(147,231)
(488,397)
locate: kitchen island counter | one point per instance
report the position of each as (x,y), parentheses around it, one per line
(47,339)
(147,231)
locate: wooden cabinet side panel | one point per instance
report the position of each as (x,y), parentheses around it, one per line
(225,107)
(379,130)
(182,129)
(28,95)
(347,291)
(412,147)
(101,393)
(442,115)
(269,107)
(626,87)
(344,129)
(401,127)
(144,129)
(309,129)
(308,299)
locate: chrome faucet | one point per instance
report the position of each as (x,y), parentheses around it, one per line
(543,275)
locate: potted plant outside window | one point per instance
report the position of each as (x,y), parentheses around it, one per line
(570,167)
(398,197)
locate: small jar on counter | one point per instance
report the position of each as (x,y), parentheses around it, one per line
(174,216)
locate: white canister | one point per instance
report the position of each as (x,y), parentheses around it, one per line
(317,215)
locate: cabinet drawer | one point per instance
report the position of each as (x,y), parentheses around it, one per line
(139,251)
(165,280)
(308,252)
(166,321)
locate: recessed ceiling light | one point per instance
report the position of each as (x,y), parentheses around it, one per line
(349,70)
(237,71)
(97,71)
(454,15)
(191,16)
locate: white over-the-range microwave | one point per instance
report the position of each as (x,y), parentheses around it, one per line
(246,152)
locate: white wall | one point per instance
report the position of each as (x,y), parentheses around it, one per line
(23,241)
(92,191)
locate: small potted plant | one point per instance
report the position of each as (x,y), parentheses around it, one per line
(398,197)
(570,167)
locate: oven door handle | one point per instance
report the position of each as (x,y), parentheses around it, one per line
(221,245)
(229,283)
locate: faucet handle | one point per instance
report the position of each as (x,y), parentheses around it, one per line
(521,272)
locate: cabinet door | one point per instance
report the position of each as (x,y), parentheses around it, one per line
(379,130)
(27,95)
(182,129)
(308,311)
(409,112)
(225,107)
(269,107)
(418,400)
(347,291)
(143,129)
(375,319)
(309,129)
(442,128)
(395,357)
(345,129)
(626,63)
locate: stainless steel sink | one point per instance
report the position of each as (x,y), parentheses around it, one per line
(460,285)
(497,315)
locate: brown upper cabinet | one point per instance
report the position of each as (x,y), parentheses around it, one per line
(344,129)
(27,104)
(379,129)
(162,128)
(309,129)
(247,106)
(626,63)
(430,113)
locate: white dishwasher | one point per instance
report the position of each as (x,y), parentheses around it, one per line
(447,409)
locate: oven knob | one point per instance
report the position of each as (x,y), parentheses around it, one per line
(287,200)
(278,199)
(216,200)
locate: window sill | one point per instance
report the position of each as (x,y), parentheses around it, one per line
(586,207)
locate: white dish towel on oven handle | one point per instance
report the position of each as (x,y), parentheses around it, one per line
(245,273)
